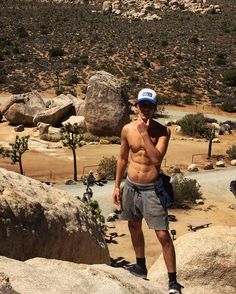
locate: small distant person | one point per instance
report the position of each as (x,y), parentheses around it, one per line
(90,179)
(144,143)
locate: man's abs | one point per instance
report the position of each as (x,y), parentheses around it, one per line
(142,173)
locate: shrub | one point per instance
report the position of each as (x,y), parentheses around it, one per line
(84,59)
(232,152)
(23,58)
(74,60)
(178,86)
(133,79)
(188,100)
(22,32)
(71,79)
(56,51)
(229,106)
(2,79)
(17,89)
(107,168)
(193,124)
(186,190)
(146,62)
(229,78)
(220,58)
(161,58)
(97,213)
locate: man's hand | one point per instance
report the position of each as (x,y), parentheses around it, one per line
(116,196)
(142,126)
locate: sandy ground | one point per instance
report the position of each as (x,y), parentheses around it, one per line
(55,164)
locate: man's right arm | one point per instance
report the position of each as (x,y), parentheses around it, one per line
(121,165)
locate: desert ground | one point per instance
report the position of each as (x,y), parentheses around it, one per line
(54,163)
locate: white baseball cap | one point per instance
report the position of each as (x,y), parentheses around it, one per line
(147,95)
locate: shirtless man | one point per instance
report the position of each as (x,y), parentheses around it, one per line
(144,143)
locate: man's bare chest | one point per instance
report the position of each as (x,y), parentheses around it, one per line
(137,143)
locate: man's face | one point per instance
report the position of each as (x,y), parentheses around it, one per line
(146,110)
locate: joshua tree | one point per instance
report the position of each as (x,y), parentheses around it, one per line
(209,135)
(17,150)
(71,136)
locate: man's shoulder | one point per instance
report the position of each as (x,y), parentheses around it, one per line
(128,126)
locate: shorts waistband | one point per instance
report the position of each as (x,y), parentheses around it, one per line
(138,186)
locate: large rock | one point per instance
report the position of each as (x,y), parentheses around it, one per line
(24,112)
(38,220)
(53,116)
(205,261)
(78,104)
(79,120)
(106,105)
(39,275)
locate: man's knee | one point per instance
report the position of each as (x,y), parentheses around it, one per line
(164,238)
(135,226)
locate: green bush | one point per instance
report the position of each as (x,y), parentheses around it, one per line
(3,79)
(229,78)
(193,124)
(161,58)
(22,32)
(178,86)
(229,106)
(71,79)
(186,190)
(232,152)
(74,60)
(17,89)
(56,51)
(107,168)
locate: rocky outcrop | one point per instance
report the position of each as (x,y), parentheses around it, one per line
(106,105)
(148,10)
(38,220)
(205,261)
(41,275)
(24,111)
(53,116)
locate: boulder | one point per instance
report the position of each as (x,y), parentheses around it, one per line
(106,105)
(24,112)
(208,166)
(38,220)
(19,128)
(192,167)
(233,162)
(79,120)
(220,163)
(53,116)
(215,140)
(50,276)
(107,6)
(205,261)
(174,169)
(78,104)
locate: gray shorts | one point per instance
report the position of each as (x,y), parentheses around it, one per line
(141,201)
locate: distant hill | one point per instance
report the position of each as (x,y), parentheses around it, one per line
(187,57)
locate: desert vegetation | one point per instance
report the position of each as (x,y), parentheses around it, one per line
(17,149)
(185,56)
